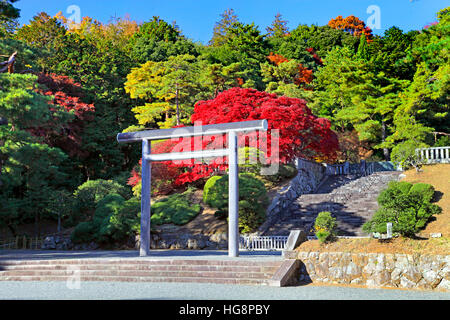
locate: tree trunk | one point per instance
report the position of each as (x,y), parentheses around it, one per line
(59,223)
(386,152)
(37,228)
(13,231)
(178,108)
(9,65)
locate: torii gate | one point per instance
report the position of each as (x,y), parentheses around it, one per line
(231,129)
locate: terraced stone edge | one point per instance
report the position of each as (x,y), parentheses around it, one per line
(286,274)
(374,270)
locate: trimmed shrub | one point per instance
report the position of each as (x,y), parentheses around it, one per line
(408,207)
(396,189)
(114,221)
(89,194)
(176,209)
(108,205)
(210,195)
(252,199)
(325,227)
(123,222)
(423,190)
(83,232)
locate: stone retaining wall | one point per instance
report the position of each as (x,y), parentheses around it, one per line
(217,241)
(375,269)
(310,175)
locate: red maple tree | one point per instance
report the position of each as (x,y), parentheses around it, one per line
(68,94)
(301,134)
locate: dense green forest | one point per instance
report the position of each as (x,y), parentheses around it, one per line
(67,89)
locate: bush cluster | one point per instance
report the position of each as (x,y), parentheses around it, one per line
(407,206)
(88,195)
(176,209)
(252,199)
(114,220)
(325,227)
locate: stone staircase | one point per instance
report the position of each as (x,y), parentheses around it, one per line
(352,199)
(245,272)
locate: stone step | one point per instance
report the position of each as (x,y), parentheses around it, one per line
(149,262)
(351,199)
(129,273)
(240,281)
(166,270)
(140,268)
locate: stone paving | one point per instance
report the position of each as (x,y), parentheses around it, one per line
(134,254)
(351,199)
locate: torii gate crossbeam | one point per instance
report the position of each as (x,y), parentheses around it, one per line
(231,152)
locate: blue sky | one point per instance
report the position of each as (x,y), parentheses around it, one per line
(196,18)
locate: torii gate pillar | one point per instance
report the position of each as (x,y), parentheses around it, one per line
(233,196)
(145,199)
(231,152)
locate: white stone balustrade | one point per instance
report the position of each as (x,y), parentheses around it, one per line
(434,155)
(270,243)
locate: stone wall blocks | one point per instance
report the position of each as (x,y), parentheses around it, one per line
(396,276)
(313,256)
(444,285)
(406,283)
(323,258)
(431,278)
(411,273)
(382,278)
(429,272)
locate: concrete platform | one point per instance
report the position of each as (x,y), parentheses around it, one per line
(134,254)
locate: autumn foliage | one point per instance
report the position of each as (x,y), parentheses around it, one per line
(315,56)
(164,174)
(304,75)
(276,58)
(301,134)
(67,93)
(351,24)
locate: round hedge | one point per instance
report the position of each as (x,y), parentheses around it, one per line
(407,206)
(252,199)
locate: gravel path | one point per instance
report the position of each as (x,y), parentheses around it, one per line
(195,291)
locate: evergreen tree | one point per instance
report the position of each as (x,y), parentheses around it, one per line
(363,48)
(8,17)
(222,27)
(168,87)
(29,170)
(278,28)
